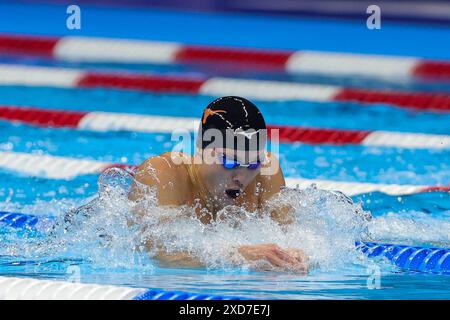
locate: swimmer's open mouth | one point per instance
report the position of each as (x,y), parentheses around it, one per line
(233,193)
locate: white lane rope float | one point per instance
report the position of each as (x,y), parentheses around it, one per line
(12,288)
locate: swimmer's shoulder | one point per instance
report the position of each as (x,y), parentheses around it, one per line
(165,176)
(165,168)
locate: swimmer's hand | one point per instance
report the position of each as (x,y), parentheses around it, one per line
(274,258)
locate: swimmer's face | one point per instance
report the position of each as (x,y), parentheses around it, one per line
(226,184)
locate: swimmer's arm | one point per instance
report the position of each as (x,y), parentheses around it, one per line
(178,259)
(275,258)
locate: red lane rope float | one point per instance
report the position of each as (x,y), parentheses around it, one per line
(437,70)
(319,136)
(36,46)
(201,54)
(423,101)
(437,188)
(141,82)
(42,117)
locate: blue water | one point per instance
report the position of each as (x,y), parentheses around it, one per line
(348,163)
(415,219)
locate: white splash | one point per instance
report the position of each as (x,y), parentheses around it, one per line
(108,232)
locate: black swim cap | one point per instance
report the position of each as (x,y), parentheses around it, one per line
(239,121)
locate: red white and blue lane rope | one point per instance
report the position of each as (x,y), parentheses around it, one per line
(108,121)
(90,49)
(218,86)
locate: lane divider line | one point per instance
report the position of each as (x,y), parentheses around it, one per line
(218,86)
(91,49)
(108,121)
(53,167)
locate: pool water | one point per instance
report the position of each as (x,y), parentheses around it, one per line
(420,219)
(325,228)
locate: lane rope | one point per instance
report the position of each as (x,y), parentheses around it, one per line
(12,288)
(218,86)
(108,121)
(91,49)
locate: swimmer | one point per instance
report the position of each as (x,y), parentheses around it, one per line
(231,167)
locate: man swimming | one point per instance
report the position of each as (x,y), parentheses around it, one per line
(230,167)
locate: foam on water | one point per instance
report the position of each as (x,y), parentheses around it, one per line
(414,228)
(106,232)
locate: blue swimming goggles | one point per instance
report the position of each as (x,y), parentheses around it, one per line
(232,164)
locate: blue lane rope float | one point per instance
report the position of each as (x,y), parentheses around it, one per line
(153,294)
(412,258)
(18,220)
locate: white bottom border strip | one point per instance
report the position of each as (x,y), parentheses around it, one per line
(32,289)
